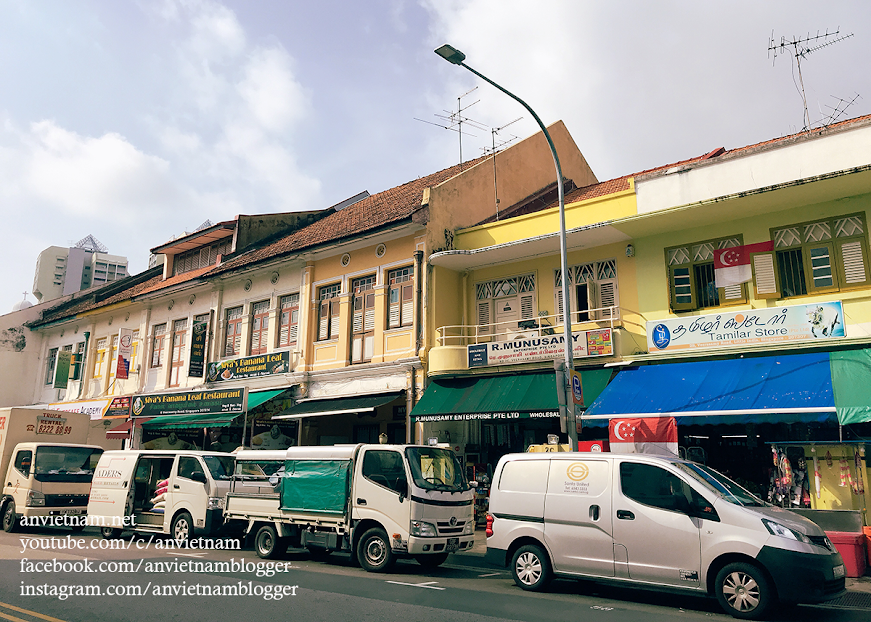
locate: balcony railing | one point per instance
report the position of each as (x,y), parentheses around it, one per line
(468,334)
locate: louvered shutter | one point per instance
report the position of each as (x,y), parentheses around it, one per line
(407,304)
(369,312)
(324,320)
(527,307)
(765,277)
(608,297)
(334,319)
(558,305)
(854,263)
(294,325)
(357,325)
(484,327)
(394,318)
(733,293)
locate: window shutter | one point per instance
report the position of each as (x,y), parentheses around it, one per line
(854,263)
(527,307)
(394,319)
(294,325)
(608,298)
(558,305)
(357,349)
(334,318)
(369,312)
(593,299)
(324,320)
(680,281)
(283,332)
(358,314)
(407,304)
(765,275)
(484,327)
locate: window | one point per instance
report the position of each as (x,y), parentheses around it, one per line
(200,257)
(363,320)
(179,340)
(23,462)
(188,466)
(328,312)
(652,485)
(100,360)
(157,336)
(259,327)
(288,320)
(502,303)
(77,361)
(592,291)
(135,351)
(50,365)
(691,276)
(233,341)
(400,297)
(385,468)
(816,257)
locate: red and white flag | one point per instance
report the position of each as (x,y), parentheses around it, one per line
(732,265)
(644,435)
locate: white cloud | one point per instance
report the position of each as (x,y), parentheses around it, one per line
(270,91)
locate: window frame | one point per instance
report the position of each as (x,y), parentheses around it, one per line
(178,343)
(328,312)
(102,345)
(258,341)
(724,298)
(288,316)
(233,317)
(524,289)
(594,277)
(51,365)
(400,285)
(362,319)
(158,335)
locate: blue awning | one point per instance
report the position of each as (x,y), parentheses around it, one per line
(773,389)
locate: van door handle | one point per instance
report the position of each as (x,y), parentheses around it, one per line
(361,501)
(175,486)
(594,512)
(625,515)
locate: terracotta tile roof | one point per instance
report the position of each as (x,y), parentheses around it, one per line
(175,280)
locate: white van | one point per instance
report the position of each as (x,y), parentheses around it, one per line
(655,522)
(173,492)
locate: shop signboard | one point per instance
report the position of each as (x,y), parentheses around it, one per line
(125,353)
(97,409)
(198,350)
(488,417)
(118,407)
(524,349)
(190,403)
(62,369)
(250,367)
(816,321)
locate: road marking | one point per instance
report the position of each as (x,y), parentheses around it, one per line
(428,585)
(492,574)
(185,554)
(28,612)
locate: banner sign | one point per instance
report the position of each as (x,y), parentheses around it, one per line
(250,367)
(125,353)
(823,320)
(62,369)
(119,407)
(487,417)
(198,350)
(586,343)
(97,409)
(193,403)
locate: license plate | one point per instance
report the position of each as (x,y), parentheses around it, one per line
(839,571)
(452,545)
(67,512)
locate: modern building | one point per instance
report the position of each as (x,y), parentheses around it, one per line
(62,271)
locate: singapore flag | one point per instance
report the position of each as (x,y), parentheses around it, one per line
(644,435)
(732,265)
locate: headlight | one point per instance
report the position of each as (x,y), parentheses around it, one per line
(420,528)
(35,498)
(469,528)
(216,503)
(784,532)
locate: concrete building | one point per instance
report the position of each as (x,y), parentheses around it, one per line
(61,271)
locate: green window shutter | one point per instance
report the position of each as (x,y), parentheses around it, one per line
(683,294)
(765,276)
(820,270)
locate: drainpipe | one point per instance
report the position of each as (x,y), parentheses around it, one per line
(82,369)
(411,391)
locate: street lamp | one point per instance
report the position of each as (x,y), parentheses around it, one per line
(456,57)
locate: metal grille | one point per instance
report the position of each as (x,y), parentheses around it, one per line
(791,268)
(706,288)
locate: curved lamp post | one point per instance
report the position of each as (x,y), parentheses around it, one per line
(456,57)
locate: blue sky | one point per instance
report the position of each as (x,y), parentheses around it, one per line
(138,120)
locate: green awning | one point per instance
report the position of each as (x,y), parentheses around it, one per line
(851,370)
(255,398)
(178,422)
(340,406)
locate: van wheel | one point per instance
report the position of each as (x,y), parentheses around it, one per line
(182,527)
(10,521)
(267,544)
(374,552)
(431,561)
(530,568)
(110,533)
(743,591)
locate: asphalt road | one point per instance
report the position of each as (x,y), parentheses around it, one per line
(43,579)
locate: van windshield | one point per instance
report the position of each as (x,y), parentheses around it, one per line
(434,468)
(221,467)
(65,464)
(720,484)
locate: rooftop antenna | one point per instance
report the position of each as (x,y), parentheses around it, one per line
(493,132)
(838,110)
(801,48)
(454,120)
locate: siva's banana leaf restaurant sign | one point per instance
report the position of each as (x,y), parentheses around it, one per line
(249,367)
(221,401)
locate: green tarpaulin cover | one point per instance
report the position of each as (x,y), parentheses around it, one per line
(851,372)
(315,485)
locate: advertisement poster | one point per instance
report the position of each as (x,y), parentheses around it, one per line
(823,320)
(198,350)
(586,343)
(125,353)
(250,367)
(62,370)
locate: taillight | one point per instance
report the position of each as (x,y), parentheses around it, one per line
(489,530)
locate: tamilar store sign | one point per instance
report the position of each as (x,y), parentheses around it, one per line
(822,320)
(585,343)
(193,403)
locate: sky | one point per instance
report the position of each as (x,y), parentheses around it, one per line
(137,120)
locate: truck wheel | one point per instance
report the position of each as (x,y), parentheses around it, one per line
(10,521)
(530,568)
(182,527)
(267,544)
(374,552)
(431,561)
(110,533)
(743,591)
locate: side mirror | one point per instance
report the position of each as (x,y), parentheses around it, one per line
(199,476)
(402,489)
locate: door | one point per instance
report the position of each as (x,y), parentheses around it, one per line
(376,491)
(578,517)
(112,488)
(188,491)
(661,543)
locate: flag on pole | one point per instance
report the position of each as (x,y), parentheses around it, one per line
(732,265)
(643,435)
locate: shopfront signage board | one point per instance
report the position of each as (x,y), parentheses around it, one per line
(190,403)
(249,367)
(524,349)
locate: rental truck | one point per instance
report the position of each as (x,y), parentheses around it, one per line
(47,466)
(378,502)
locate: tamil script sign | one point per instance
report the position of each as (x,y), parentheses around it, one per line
(492,417)
(193,403)
(586,343)
(250,367)
(823,320)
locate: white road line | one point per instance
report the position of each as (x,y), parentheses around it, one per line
(428,585)
(185,554)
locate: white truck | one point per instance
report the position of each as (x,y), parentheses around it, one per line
(47,466)
(378,502)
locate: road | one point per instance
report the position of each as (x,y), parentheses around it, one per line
(41,577)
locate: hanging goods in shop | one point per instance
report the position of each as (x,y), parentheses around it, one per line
(829,459)
(844,473)
(860,487)
(817,477)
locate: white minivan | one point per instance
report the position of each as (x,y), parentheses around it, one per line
(655,522)
(174,492)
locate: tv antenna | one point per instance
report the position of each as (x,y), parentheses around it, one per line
(801,48)
(494,150)
(454,120)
